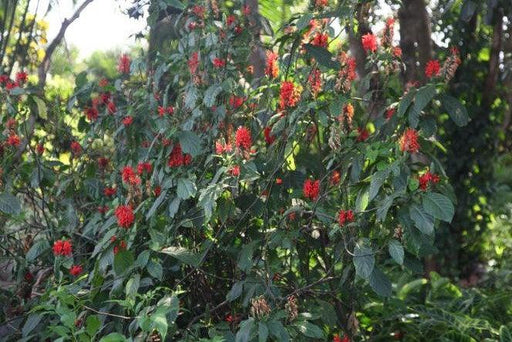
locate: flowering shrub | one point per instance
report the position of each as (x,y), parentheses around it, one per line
(258,208)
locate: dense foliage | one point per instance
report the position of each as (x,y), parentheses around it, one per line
(186,198)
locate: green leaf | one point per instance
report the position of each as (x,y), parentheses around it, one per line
(362,200)
(190,143)
(322,56)
(132,286)
(377,180)
(186,188)
(235,291)
(364,261)
(262,332)
(30,324)
(155,269)
(182,254)
(303,21)
(37,249)
(245,258)
(383,207)
(396,250)
(278,330)
(123,261)
(246,329)
(505,334)
(310,330)
(41,107)
(113,337)
(456,110)
(380,283)
(156,204)
(92,325)
(422,220)
(9,204)
(210,95)
(421,100)
(438,206)
(176,3)
(406,102)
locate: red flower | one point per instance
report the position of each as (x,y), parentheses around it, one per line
(21,77)
(246,10)
(427,179)
(199,11)
(103,82)
(279,181)
(177,158)
(76,148)
(345,216)
(311,189)
(109,191)
(11,85)
(268,137)
(144,167)
(103,162)
(40,149)
(432,68)
(272,67)
(28,277)
(397,52)
(124,64)
(102,209)
(235,171)
(219,63)
(369,42)
(390,112)
(125,216)
(320,3)
(363,134)
(320,39)
(11,123)
(315,81)
(289,95)
(62,247)
(243,138)
(122,246)
(127,121)
(193,63)
(13,140)
(337,338)
(409,141)
(157,190)
(231,19)
(91,113)
(129,176)
(236,101)
(335,177)
(75,270)
(111,107)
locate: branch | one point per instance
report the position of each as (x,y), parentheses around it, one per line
(45,64)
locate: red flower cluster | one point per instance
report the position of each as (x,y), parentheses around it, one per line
(320,39)
(390,112)
(76,148)
(144,167)
(347,72)
(103,162)
(428,178)
(128,120)
(289,95)
(369,42)
(335,178)
(75,270)
(13,140)
(125,216)
(315,81)
(62,247)
(337,338)
(311,189)
(129,176)
(220,148)
(363,134)
(178,158)
(269,138)
(123,65)
(193,63)
(235,171)
(272,67)
(109,191)
(409,141)
(345,216)
(432,68)
(162,110)
(320,3)
(40,149)
(21,77)
(91,113)
(236,101)
(199,11)
(219,63)
(243,138)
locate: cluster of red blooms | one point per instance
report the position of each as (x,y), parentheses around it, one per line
(235,171)
(269,138)
(109,191)
(75,270)
(118,247)
(127,120)
(193,63)
(409,141)
(144,167)
(345,216)
(347,72)
(320,39)
(243,138)
(320,3)
(236,101)
(363,134)
(219,63)
(123,65)
(20,79)
(162,110)
(272,67)
(428,178)
(178,158)
(369,42)
(315,81)
(13,140)
(62,247)
(390,112)
(432,68)
(129,176)
(76,148)
(223,148)
(335,178)
(311,189)
(289,95)
(337,338)
(125,216)
(387,36)
(199,11)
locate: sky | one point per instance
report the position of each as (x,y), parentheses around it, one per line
(101,26)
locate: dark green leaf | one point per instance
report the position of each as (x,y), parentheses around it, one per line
(9,204)
(380,283)
(30,324)
(182,254)
(322,56)
(422,220)
(364,261)
(262,332)
(37,249)
(396,250)
(310,330)
(186,188)
(456,110)
(123,261)
(246,329)
(235,291)
(438,206)
(190,143)
(378,179)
